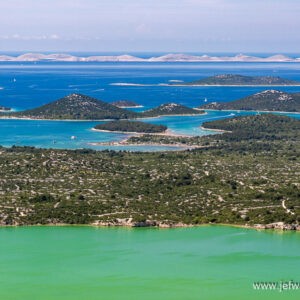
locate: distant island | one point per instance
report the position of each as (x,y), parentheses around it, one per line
(126,104)
(5,109)
(131,127)
(82,107)
(269,100)
(76,107)
(232,80)
(171,57)
(171,109)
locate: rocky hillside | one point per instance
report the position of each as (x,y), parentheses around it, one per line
(76,107)
(269,100)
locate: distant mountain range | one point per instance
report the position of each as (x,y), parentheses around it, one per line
(269,100)
(233,79)
(129,58)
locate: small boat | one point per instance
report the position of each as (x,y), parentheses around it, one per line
(205,100)
(14,80)
(73,137)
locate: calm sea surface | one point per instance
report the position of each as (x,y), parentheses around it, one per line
(110,263)
(28,85)
(212,262)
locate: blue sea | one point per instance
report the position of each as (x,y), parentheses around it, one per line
(31,84)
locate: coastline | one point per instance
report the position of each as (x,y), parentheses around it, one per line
(274,227)
(167,132)
(124,142)
(202,85)
(217,130)
(97,120)
(257,111)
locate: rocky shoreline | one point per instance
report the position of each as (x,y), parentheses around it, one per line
(130,223)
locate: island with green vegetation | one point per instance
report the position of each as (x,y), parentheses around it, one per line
(171,109)
(82,107)
(269,100)
(233,79)
(126,104)
(131,127)
(247,176)
(76,107)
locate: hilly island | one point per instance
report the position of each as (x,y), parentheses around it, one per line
(82,107)
(269,100)
(240,80)
(232,178)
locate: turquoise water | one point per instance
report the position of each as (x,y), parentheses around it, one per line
(211,262)
(57,134)
(27,85)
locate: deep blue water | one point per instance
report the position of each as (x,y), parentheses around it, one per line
(28,85)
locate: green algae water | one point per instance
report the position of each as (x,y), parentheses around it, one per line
(210,262)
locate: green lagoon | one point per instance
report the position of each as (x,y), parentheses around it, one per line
(209,262)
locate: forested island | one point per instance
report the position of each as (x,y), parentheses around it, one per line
(232,179)
(233,79)
(131,126)
(269,100)
(126,104)
(171,109)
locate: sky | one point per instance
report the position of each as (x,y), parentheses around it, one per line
(200,26)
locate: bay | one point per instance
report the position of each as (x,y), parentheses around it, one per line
(209,262)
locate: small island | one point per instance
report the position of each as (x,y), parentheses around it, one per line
(170,109)
(4,109)
(126,104)
(130,127)
(269,100)
(240,80)
(75,107)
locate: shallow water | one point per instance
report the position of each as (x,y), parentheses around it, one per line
(210,262)
(27,85)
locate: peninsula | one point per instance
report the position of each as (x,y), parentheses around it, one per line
(131,127)
(269,100)
(232,179)
(239,80)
